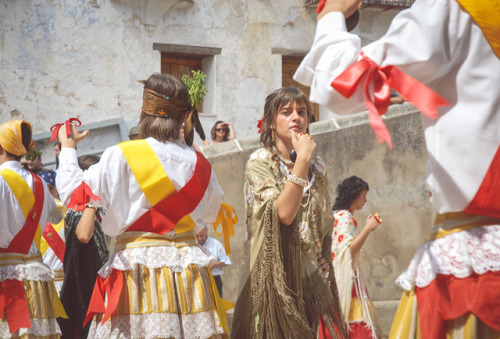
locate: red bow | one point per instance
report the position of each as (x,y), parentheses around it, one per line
(55,128)
(15,305)
(321,4)
(81,195)
(382,79)
(259,124)
(108,289)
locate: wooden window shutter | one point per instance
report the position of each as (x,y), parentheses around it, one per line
(289,65)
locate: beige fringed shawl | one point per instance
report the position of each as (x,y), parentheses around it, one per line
(283,290)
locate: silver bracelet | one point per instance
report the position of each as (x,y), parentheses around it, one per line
(296,180)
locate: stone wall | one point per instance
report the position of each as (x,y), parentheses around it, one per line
(397,190)
(83,58)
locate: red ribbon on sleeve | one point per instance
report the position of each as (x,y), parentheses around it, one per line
(55,128)
(382,79)
(81,195)
(321,5)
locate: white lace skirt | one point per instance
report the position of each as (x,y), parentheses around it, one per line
(459,254)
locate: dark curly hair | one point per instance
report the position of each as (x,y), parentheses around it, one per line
(274,102)
(348,191)
(212,132)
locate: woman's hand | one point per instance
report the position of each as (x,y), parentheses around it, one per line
(74,138)
(304,145)
(372,223)
(346,7)
(232,133)
(358,242)
(288,202)
(325,268)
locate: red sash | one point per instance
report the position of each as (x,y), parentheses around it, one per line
(22,241)
(12,295)
(54,240)
(160,219)
(163,216)
(486,201)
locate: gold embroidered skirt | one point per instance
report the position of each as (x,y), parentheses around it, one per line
(167,290)
(40,295)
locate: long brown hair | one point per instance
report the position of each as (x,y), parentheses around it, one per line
(274,102)
(163,128)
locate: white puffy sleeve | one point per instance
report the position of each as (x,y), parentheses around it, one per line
(422,41)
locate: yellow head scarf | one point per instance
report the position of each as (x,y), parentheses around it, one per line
(11,138)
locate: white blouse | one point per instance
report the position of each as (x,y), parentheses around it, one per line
(112,180)
(11,217)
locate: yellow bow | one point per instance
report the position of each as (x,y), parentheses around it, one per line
(227,220)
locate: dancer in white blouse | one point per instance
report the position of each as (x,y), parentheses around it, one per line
(27,292)
(157,282)
(451,50)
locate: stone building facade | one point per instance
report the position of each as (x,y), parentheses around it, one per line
(83,58)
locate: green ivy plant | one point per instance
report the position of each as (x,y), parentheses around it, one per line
(33,154)
(196,89)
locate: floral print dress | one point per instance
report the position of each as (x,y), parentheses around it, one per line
(358,310)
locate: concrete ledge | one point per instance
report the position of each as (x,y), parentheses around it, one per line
(102,135)
(316,128)
(386,311)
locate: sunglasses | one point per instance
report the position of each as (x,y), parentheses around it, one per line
(220,129)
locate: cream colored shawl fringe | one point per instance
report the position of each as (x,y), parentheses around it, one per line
(271,303)
(346,271)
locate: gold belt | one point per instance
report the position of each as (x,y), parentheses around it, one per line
(7,259)
(146,239)
(449,223)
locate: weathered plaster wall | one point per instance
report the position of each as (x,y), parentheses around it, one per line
(82,58)
(397,191)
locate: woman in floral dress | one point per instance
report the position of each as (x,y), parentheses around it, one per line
(347,242)
(289,289)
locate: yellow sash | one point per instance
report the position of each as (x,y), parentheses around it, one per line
(227,218)
(459,221)
(24,196)
(149,173)
(26,200)
(487,15)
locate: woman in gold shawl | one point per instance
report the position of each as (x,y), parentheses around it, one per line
(290,290)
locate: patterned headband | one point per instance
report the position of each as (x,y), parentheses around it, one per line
(157,104)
